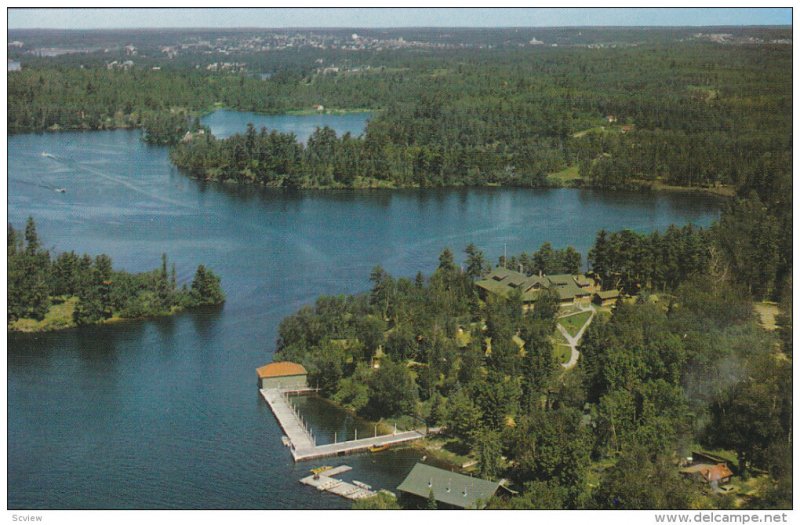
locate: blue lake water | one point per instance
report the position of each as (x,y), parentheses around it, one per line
(165,413)
(224,123)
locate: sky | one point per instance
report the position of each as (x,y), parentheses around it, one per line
(391,17)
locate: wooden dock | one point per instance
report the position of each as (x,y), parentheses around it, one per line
(326,482)
(302,443)
(288,419)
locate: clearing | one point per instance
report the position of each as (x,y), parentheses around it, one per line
(57,317)
(566,175)
(575,322)
(767,312)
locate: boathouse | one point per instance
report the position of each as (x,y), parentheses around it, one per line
(450,489)
(282,375)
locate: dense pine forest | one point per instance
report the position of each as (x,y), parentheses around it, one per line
(48,293)
(687,113)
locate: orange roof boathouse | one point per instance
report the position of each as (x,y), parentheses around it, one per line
(283,375)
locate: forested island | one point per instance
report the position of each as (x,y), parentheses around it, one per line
(51,293)
(678,366)
(656,109)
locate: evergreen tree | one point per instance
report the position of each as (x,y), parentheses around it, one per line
(206,287)
(31,237)
(476,263)
(431,502)
(489,451)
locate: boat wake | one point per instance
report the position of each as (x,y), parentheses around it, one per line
(118,180)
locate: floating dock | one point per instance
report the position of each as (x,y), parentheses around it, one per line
(302,443)
(327,483)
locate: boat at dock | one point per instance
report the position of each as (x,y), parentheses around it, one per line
(319,470)
(362,485)
(378,448)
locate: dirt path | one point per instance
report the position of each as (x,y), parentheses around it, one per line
(573,341)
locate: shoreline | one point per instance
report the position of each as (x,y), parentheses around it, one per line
(724,192)
(552,182)
(425,444)
(105,322)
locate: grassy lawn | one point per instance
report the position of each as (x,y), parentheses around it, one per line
(444,449)
(585,132)
(566,175)
(767,311)
(558,338)
(573,323)
(603,313)
(710,93)
(567,310)
(58,316)
(562,352)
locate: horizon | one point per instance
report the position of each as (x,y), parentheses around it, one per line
(105,19)
(345,28)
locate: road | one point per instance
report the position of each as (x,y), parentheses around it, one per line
(573,341)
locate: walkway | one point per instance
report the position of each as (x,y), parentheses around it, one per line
(302,443)
(572,342)
(288,419)
(350,447)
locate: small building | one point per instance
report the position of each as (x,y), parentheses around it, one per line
(606,297)
(714,475)
(450,489)
(283,375)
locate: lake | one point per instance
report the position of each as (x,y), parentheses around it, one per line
(165,413)
(224,123)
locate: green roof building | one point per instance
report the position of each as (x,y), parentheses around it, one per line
(450,489)
(570,288)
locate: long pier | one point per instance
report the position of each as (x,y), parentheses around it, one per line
(302,443)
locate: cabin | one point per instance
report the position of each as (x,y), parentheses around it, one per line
(570,288)
(450,489)
(714,475)
(283,375)
(606,297)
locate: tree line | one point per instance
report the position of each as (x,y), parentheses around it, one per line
(37,280)
(703,115)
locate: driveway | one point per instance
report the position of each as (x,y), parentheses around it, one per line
(573,341)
